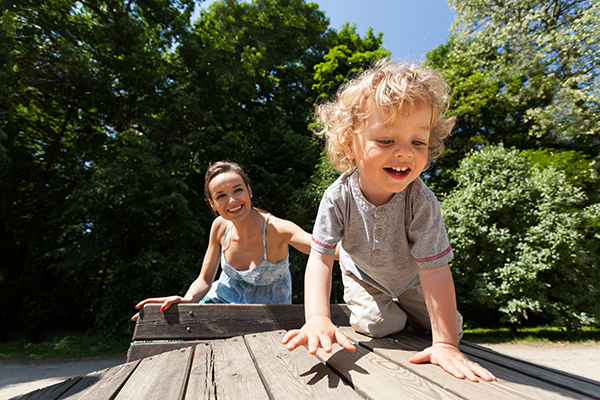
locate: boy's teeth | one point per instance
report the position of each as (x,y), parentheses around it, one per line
(400,169)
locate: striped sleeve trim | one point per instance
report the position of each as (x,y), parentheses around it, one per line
(436,257)
(324,245)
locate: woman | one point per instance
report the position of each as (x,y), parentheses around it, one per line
(251,246)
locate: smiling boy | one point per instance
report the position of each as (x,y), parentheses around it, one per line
(383,129)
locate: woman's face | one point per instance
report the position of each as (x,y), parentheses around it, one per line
(229,196)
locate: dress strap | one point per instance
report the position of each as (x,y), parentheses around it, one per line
(265,236)
(227,230)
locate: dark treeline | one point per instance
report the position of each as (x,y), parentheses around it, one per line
(111,112)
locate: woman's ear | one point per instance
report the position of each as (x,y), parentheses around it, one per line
(250,191)
(211,204)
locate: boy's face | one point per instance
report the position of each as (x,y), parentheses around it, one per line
(390,156)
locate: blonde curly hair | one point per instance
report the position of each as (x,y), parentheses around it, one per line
(394,88)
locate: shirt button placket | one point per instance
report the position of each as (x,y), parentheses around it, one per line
(378,232)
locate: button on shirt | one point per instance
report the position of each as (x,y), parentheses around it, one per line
(383,245)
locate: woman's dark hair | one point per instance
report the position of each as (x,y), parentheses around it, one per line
(219,168)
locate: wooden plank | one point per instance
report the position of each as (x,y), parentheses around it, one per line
(510,384)
(547,382)
(376,377)
(137,351)
(297,374)
(219,321)
(206,321)
(230,365)
(552,376)
(101,385)
(161,377)
(201,384)
(52,392)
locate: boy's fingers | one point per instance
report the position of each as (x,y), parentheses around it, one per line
(297,340)
(313,342)
(482,372)
(343,341)
(421,357)
(325,342)
(289,335)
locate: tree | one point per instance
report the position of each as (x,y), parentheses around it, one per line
(525,236)
(524,73)
(555,45)
(111,113)
(78,74)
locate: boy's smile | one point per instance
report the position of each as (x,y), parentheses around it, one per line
(391,156)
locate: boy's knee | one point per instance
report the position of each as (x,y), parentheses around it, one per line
(378,321)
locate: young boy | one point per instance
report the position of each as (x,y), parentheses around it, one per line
(383,129)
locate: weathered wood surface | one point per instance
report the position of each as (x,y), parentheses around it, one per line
(257,366)
(182,325)
(217,321)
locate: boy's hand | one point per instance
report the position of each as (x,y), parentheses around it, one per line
(317,332)
(452,361)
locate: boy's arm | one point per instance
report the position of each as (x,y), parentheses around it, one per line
(438,289)
(318,331)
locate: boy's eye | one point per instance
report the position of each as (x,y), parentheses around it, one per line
(385,141)
(419,143)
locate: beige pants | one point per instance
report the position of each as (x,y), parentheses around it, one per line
(376,314)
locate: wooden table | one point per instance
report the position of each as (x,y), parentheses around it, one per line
(240,356)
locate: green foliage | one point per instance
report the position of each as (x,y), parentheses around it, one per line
(348,56)
(525,236)
(111,112)
(537,334)
(523,73)
(65,345)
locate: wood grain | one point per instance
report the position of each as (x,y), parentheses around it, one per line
(376,377)
(219,321)
(101,385)
(296,374)
(161,377)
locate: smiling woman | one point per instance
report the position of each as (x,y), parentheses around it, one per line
(250,245)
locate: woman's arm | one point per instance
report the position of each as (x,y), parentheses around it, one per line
(291,234)
(297,237)
(201,285)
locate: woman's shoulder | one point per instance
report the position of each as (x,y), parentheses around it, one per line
(219,226)
(279,226)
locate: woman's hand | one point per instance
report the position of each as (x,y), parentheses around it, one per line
(166,303)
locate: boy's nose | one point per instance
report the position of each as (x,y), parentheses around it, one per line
(402,150)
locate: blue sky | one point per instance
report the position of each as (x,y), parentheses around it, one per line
(410,27)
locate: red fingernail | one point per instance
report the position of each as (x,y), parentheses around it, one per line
(162,308)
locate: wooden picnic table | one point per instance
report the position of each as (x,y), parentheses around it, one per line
(234,352)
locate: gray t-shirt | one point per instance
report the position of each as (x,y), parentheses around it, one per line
(377,245)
